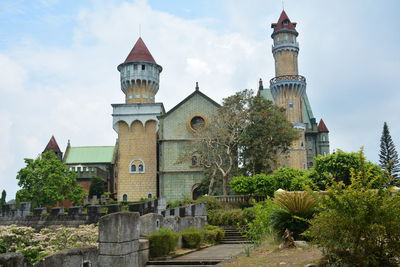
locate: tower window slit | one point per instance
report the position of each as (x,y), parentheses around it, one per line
(143,67)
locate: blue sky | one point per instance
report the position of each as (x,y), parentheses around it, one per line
(58,64)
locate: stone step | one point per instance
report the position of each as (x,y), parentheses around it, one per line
(235,242)
(183,263)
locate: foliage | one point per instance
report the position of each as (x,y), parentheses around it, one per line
(46,181)
(230,217)
(295,209)
(97,186)
(246,129)
(211,202)
(358,225)
(192,238)
(3,200)
(162,243)
(213,234)
(260,226)
(34,246)
(267,135)
(340,165)
(388,157)
(265,185)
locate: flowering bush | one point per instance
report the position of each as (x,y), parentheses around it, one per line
(36,245)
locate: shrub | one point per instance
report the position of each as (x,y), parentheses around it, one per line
(212,203)
(357,225)
(260,226)
(230,217)
(295,208)
(162,242)
(192,238)
(213,234)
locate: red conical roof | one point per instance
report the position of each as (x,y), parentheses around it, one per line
(140,52)
(52,145)
(284,23)
(322,127)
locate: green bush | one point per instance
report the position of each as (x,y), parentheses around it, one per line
(192,238)
(358,225)
(162,242)
(295,209)
(212,203)
(213,234)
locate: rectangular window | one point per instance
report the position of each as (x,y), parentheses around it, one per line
(134,66)
(143,67)
(137,96)
(290,104)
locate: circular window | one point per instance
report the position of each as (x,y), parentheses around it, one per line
(197,123)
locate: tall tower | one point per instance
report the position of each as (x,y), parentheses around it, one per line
(136,123)
(288,87)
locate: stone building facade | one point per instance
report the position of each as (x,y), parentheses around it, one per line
(147,160)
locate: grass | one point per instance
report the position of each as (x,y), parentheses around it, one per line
(269,255)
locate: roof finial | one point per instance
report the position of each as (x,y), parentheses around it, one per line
(260,85)
(197,86)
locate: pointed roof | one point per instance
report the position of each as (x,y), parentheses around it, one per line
(284,23)
(52,145)
(140,52)
(322,127)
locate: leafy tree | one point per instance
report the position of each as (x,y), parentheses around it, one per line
(358,225)
(267,135)
(46,181)
(246,129)
(265,185)
(97,186)
(340,166)
(388,157)
(3,200)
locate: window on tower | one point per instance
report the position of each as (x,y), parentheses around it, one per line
(143,67)
(134,66)
(136,166)
(290,104)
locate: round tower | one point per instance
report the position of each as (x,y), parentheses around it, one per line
(288,87)
(136,122)
(140,75)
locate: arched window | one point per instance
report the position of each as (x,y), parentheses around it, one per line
(136,166)
(133,168)
(125,197)
(194,161)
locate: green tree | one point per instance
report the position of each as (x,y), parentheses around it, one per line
(388,157)
(340,166)
(265,185)
(357,225)
(268,134)
(3,200)
(246,130)
(97,186)
(46,181)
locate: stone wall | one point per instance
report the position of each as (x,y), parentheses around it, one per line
(119,243)
(73,217)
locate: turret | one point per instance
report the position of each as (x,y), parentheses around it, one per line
(288,87)
(140,75)
(323,138)
(53,146)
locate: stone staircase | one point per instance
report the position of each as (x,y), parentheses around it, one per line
(233,236)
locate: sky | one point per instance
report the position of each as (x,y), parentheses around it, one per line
(58,62)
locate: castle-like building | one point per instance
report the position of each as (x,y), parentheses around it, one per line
(147,158)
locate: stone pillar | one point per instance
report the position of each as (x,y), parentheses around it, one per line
(119,239)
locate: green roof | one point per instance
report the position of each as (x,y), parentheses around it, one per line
(90,154)
(266,93)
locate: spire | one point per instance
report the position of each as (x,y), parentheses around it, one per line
(322,127)
(260,85)
(284,23)
(140,52)
(52,146)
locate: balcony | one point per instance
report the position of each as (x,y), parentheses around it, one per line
(287,79)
